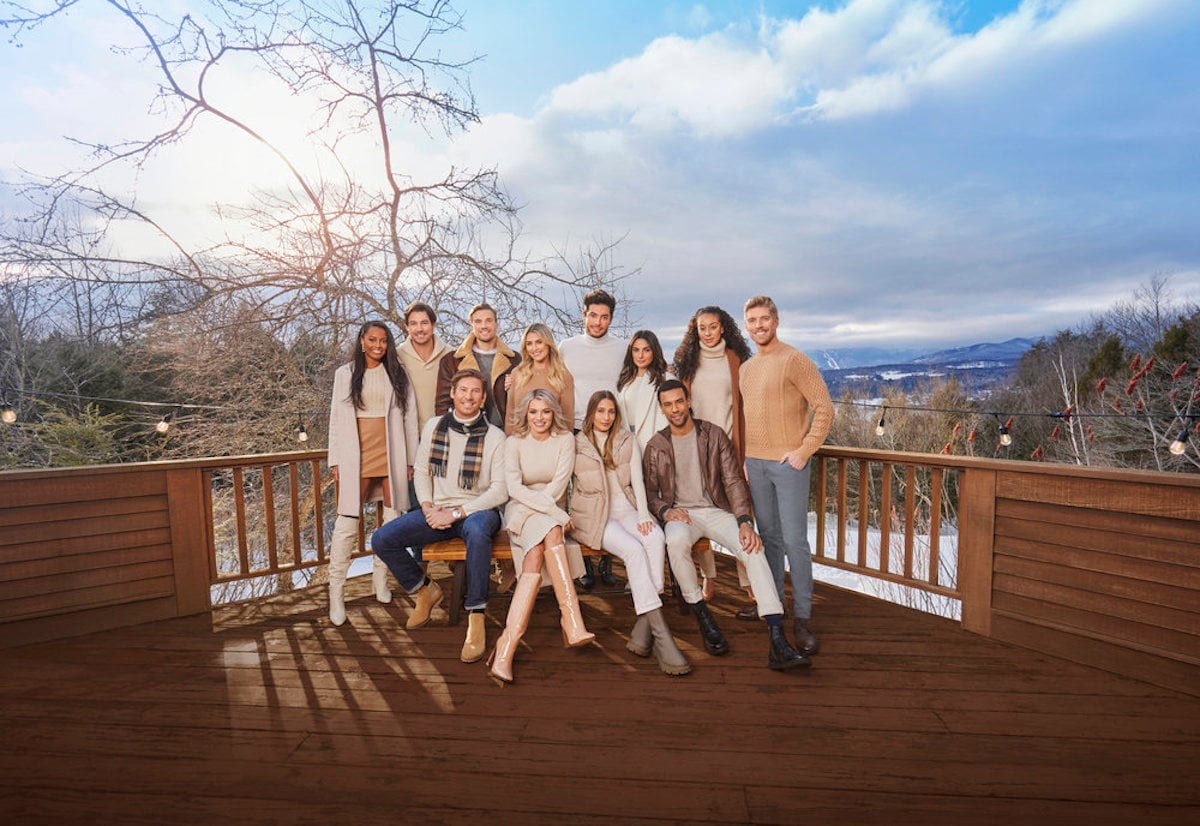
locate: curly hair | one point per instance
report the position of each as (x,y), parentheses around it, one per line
(560,422)
(391,364)
(687,355)
(658,364)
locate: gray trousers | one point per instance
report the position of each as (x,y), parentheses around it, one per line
(780,494)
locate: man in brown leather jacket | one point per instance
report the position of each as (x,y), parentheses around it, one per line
(695,486)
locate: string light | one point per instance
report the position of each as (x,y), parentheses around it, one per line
(165,423)
(8,413)
(1179,446)
(882,426)
(301,433)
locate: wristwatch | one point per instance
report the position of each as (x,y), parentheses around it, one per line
(457,514)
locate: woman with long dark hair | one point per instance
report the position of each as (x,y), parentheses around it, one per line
(538,461)
(644,370)
(707,361)
(372,443)
(609,511)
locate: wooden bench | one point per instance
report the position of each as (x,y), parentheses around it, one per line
(454,551)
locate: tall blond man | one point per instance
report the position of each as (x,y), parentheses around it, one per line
(793,413)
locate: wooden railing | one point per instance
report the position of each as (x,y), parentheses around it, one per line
(1097,566)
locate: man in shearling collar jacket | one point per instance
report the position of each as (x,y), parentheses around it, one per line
(695,487)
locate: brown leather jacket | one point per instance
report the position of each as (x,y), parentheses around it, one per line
(723,478)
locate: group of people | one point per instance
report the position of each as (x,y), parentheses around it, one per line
(595,440)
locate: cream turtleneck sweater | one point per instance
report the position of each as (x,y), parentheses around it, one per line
(712,388)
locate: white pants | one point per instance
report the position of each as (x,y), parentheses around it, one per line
(643,557)
(721,527)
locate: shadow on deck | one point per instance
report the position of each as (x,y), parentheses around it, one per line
(266,713)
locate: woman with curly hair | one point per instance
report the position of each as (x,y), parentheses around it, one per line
(644,370)
(372,443)
(708,361)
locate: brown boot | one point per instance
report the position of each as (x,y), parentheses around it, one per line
(427,599)
(574,632)
(476,642)
(514,626)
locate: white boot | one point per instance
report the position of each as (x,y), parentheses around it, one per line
(341,547)
(379,569)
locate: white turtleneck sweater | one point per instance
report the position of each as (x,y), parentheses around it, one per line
(712,388)
(595,364)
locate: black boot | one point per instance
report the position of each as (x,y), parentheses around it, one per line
(714,641)
(605,572)
(588,581)
(806,640)
(782,656)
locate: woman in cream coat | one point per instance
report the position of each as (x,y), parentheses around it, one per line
(538,460)
(609,511)
(372,443)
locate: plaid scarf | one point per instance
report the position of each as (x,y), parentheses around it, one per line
(439,451)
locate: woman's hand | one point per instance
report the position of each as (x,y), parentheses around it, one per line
(644,528)
(335,473)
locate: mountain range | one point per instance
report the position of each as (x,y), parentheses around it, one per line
(871,372)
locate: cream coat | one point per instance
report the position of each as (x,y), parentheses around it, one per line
(589,495)
(344,454)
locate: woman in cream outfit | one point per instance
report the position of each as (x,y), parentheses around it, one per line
(538,461)
(609,511)
(372,442)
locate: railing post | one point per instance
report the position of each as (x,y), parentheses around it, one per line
(190,541)
(976,539)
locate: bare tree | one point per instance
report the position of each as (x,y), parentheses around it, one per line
(351,232)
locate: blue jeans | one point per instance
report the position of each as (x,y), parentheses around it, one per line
(780,494)
(392,541)
(414,505)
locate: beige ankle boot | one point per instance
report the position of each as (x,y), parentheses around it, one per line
(426,600)
(514,626)
(379,569)
(476,643)
(670,659)
(574,632)
(341,547)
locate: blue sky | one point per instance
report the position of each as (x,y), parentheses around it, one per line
(898,173)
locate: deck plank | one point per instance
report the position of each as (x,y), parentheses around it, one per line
(268,714)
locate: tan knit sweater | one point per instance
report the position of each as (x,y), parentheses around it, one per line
(791,404)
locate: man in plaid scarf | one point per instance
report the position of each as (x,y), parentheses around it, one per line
(459,478)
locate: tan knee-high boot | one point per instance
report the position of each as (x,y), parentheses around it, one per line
(341,547)
(379,569)
(514,626)
(574,632)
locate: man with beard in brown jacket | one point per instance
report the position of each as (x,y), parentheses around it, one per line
(695,487)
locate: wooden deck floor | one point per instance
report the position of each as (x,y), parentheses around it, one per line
(270,715)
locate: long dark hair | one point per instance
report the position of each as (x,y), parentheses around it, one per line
(391,363)
(589,426)
(658,365)
(687,355)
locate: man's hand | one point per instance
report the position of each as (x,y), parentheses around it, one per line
(751,542)
(677,515)
(792,457)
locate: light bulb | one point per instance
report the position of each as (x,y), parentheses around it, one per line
(881,427)
(1005,436)
(301,433)
(164,424)
(1180,444)
(9,415)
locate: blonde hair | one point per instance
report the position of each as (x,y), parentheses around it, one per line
(761,301)
(521,428)
(556,374)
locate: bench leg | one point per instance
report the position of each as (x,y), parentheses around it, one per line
(458,589)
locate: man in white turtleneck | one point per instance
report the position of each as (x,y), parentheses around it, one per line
(594,359)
